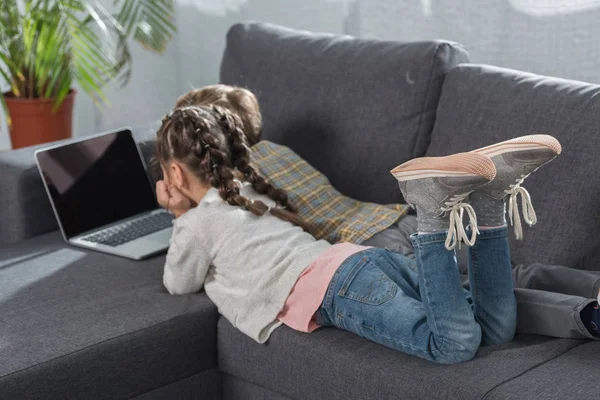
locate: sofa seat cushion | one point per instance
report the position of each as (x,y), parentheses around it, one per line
(352,108)
(92,325)
(334,364)
(573,376)
(482,105)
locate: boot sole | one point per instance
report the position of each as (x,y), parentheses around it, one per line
(456,165)
(523,143)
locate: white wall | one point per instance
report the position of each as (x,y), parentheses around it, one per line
(548,37)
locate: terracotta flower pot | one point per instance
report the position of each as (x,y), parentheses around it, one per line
(33,121)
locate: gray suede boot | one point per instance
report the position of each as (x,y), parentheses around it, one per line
(515,160)
(437,188)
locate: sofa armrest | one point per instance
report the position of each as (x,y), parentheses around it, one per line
(25,210)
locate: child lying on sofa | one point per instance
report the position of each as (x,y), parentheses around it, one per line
(192,136)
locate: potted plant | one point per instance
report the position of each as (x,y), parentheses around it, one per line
(47,45)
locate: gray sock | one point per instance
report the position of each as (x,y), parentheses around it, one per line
(429,222)
(490,211)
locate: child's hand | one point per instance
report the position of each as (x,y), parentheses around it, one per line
(172,199)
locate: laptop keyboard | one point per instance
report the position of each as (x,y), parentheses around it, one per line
(131,230)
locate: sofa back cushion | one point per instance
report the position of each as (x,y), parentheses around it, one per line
(481,105)
(354,109)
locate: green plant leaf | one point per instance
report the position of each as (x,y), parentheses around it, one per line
(14,70)
(5,75)
(3,102)
(6,113)
(150,21)
(47,44)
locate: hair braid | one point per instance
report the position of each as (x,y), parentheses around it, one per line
(231,126)
(216,163)
(211,144)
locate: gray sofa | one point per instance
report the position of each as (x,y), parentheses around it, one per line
(79,324)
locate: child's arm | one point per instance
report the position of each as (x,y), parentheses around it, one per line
(172,199)
(187,262)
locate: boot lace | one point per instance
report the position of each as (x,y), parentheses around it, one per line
(529,215)
(456,207)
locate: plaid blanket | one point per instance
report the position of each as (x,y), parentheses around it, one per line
(333,216)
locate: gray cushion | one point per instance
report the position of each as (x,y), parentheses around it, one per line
(94,325)
(239,389)
(573,376)
(481,105)
(24,207)
(206,386)
(334,364)
(25,210)
(352,108)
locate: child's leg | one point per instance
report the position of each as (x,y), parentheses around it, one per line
(491,285)
(541,311)
(417,306)
(553,314)
(490,272)
(449,314)
(414,306)
(558,301)
(554,278)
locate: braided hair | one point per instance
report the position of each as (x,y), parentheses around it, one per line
(210,141)
(239,101)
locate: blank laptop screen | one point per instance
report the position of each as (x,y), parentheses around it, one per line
(96,182)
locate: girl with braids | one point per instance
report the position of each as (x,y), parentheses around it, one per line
(242,242)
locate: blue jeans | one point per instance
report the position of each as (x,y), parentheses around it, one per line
(419,306)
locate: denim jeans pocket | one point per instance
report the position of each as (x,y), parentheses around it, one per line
(368,284)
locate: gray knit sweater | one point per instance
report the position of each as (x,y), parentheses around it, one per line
(247,264)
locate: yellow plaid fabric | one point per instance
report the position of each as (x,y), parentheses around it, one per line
(333,216)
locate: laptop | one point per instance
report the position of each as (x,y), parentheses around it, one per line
(102,197)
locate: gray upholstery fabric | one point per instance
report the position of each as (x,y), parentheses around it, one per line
(239,389)
(354,109)
(481,105)
(206,386)
(572,376)
(25,210)
(94,325)
(334,364)
(24,207)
